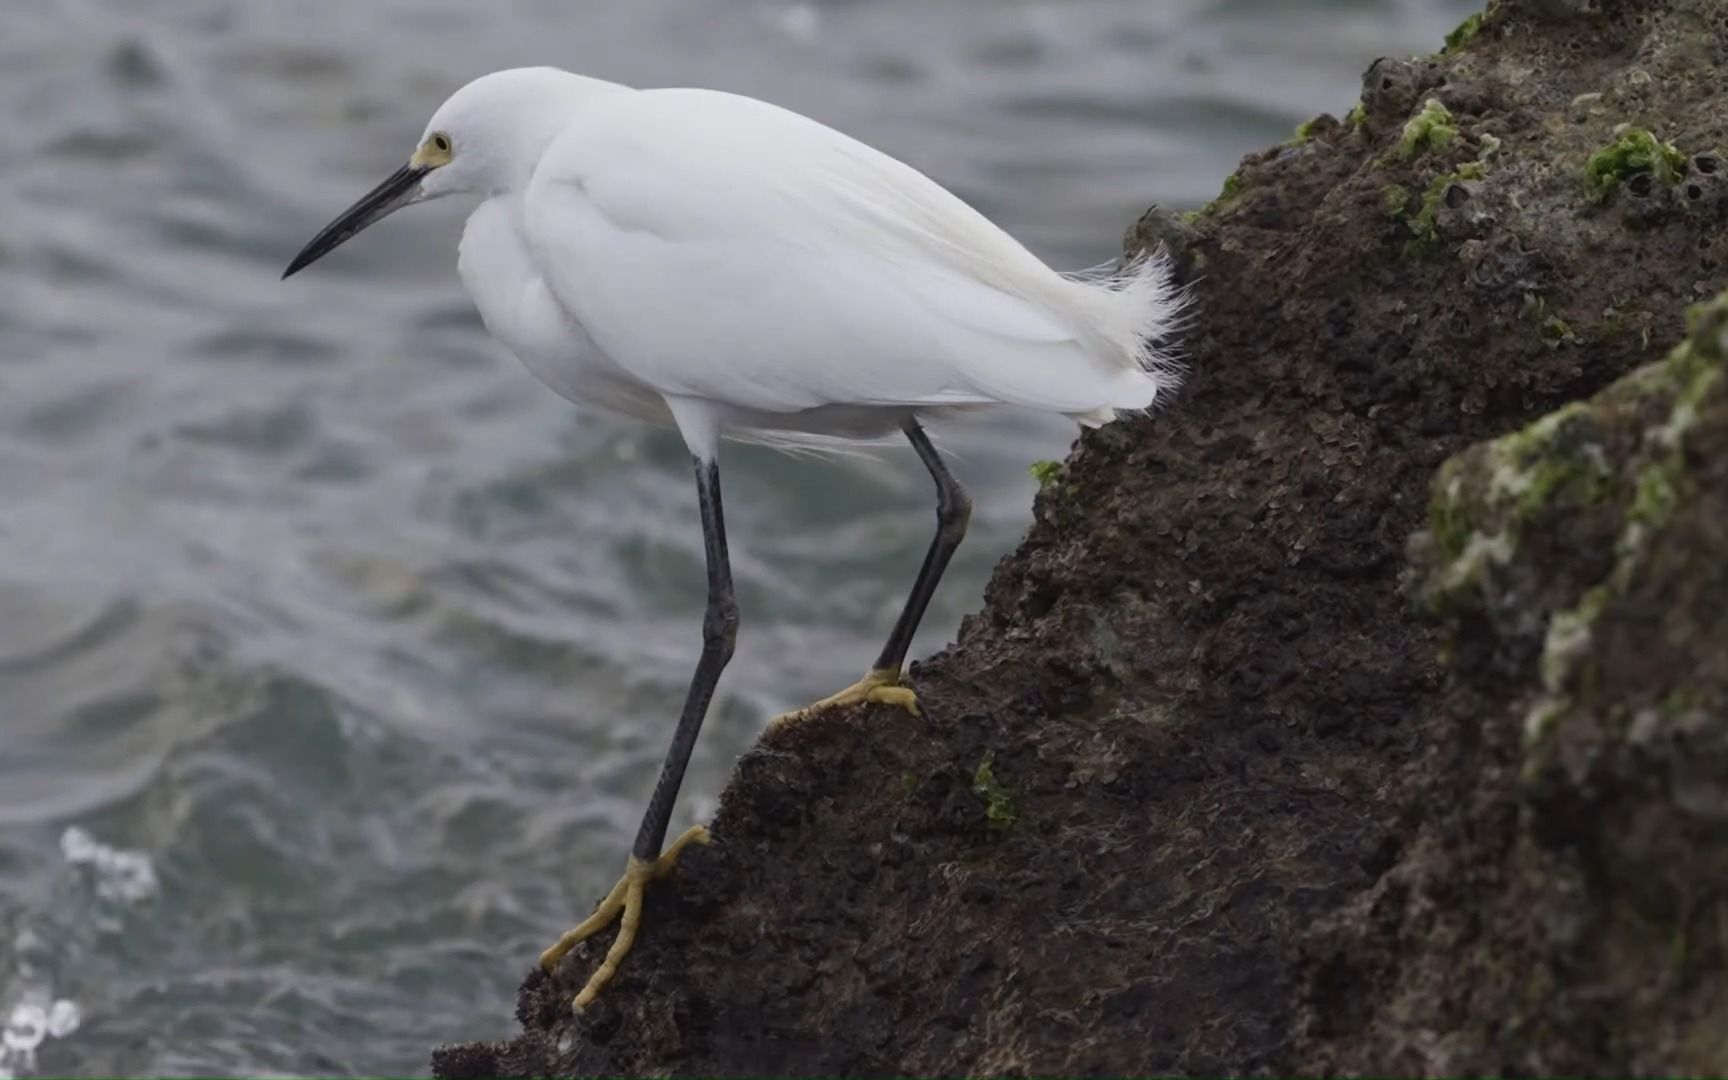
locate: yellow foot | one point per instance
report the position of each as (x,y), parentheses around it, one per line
(626,897)
(876,685)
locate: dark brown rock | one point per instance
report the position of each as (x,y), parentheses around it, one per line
(1263,796)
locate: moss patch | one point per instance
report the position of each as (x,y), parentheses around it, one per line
(1572,481)
(1635,151)
(1484,505)
(1555,332)
(1509,505)
(1045,472)
(1568,637)
(1547,465)
(1447,519)
(1654,499)
(1232,188)
(1429,130)
(1423,222)
(999,810)
(1463,32)
(1551,328)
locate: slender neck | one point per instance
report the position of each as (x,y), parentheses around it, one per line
(538,124)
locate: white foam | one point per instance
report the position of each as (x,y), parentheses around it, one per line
(33,1021)
(25,1028)
(37,1016)
(64,1016)
(126,876)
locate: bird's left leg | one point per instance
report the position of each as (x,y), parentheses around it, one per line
(883,681)
(647,862)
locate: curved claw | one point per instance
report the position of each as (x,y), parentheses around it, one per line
(877,685)
(625,899)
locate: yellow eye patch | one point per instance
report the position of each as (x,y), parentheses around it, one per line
(435,151)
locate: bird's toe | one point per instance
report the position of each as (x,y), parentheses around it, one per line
(623,904)
(883,687)
(901,697)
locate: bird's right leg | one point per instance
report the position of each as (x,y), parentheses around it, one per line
(647,862)
(883,682)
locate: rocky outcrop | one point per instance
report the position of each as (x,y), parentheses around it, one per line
(1367,711)
(1559,908)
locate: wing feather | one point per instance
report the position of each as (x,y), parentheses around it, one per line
(721,247)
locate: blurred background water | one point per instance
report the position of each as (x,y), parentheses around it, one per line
(336,655)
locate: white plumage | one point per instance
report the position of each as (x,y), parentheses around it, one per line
(761,268)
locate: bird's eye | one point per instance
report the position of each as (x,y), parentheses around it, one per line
(441,143)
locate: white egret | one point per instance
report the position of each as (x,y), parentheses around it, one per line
(737,270)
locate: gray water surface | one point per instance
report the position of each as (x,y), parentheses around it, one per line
(336,655)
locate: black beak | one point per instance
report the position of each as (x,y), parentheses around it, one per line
(375,205)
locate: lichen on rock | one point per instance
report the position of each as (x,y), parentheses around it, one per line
(1623,454)
(1598,682)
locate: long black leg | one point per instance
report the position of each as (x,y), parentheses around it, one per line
(953,511)
(719,633)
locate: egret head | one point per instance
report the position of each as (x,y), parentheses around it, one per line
(485,139)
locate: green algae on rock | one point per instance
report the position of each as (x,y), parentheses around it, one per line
(1045,472)
(1431,129)
(1597,686)
(1635,152)
(1463,32)
(1621,453)
(1445,189)
(999,809)
(1231,188)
